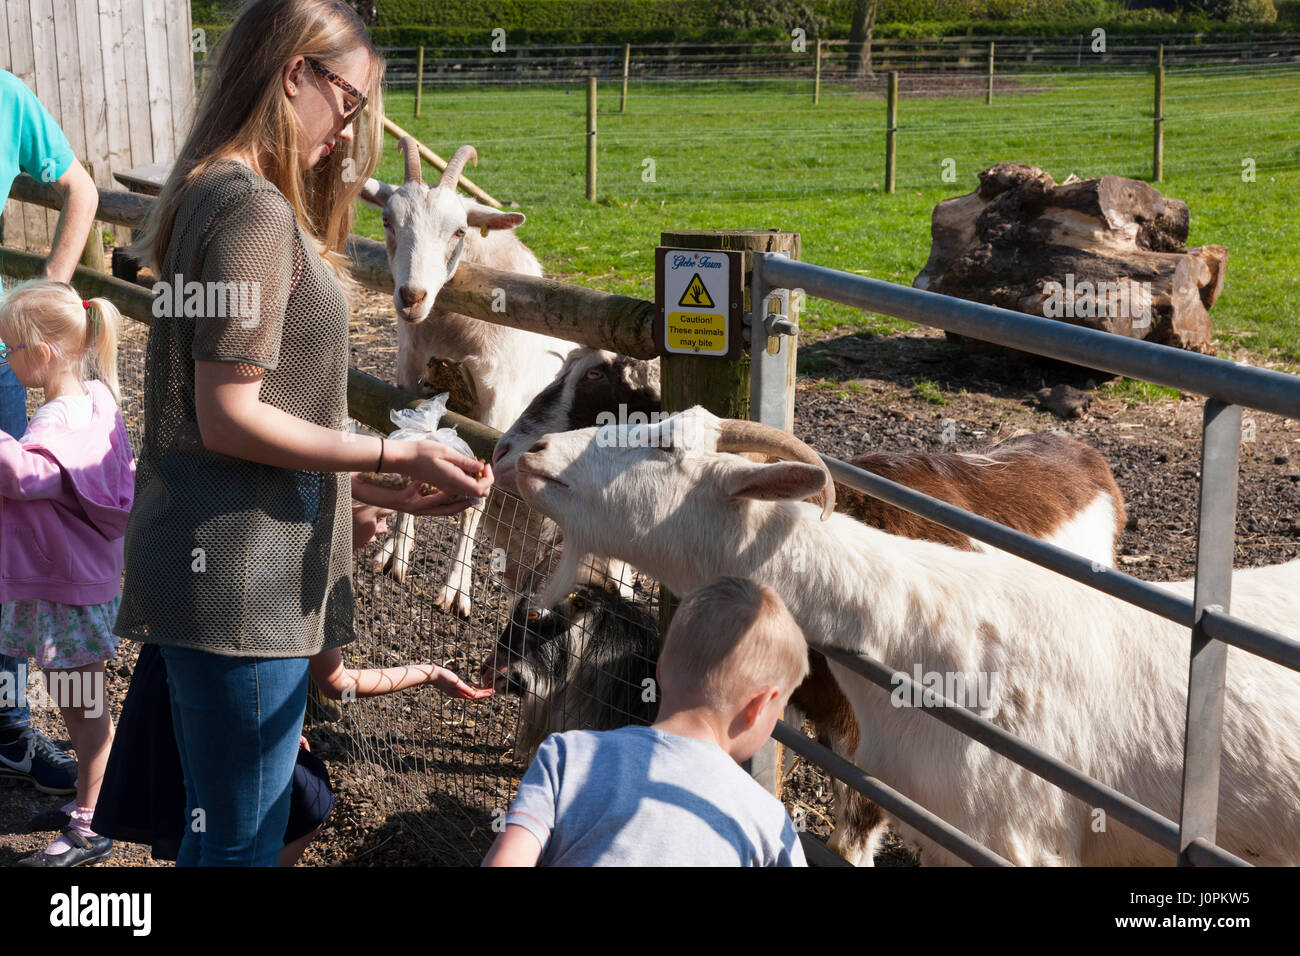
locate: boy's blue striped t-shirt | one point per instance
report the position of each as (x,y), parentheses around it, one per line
(638,796)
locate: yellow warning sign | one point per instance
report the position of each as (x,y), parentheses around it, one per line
(696,296)
(697,332)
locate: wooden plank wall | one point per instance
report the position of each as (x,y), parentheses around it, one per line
(118,75)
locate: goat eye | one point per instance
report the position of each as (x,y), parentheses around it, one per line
(579,603)
(594,375)
(388,222)
(533,615)
(460,234)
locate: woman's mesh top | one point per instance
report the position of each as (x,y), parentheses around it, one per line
(222,554)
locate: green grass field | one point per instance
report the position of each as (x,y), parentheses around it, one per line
(750,154)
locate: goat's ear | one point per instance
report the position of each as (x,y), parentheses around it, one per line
(779,481)
(375,193)
(485,217)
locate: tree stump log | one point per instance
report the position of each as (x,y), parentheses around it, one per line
(1107,253)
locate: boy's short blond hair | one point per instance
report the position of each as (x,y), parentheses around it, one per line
(729,638)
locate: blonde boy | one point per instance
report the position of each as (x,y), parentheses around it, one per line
(673,794)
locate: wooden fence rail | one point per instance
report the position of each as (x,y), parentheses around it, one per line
(602,320)
(369,399)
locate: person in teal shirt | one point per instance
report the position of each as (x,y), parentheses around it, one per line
(31,142)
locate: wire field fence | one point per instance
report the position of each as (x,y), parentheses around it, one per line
(753,134)
(799,58)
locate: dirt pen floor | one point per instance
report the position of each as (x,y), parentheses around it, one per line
(420,779)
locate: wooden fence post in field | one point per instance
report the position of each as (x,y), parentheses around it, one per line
(591,139)
(817,76)
(419,79)
(988,96)
(722,386)
(891,130)
(627,61)
(1158,150)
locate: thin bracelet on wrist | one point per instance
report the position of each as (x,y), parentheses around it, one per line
(380,467)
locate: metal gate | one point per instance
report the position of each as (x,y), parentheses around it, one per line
(1228,386)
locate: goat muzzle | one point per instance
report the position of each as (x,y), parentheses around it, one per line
(738,436)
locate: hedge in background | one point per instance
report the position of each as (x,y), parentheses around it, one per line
(461,24)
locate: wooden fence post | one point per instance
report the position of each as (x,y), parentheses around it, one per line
(419,79)
(627,61)
(988,97)
(1158,147)
(591,139)
(722,386)
(891,130)
(92,256)
(817,76)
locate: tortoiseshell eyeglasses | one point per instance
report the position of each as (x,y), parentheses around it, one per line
(347,88)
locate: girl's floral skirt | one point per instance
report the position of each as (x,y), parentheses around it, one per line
(58,635)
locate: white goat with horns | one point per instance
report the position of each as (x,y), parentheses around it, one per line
(1100,684)
(428,232)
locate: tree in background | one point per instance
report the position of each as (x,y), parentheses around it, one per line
(864,23)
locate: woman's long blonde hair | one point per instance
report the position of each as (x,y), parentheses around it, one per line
(84,336)
(244,110)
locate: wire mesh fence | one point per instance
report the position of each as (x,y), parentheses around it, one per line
(447,769)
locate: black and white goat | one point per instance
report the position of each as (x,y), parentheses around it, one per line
(585,663)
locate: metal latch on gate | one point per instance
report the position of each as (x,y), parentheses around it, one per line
(776,323)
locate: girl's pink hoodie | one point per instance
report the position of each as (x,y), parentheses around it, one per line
(64,500)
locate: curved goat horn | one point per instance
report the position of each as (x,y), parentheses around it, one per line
(411,148)
(736,435)
(451,175)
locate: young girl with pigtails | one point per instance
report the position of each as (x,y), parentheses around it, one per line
(66,488)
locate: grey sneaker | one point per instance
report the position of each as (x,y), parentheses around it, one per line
(34,756)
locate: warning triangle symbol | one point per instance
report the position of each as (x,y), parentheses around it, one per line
(696,296)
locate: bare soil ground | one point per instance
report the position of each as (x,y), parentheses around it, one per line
(420,779)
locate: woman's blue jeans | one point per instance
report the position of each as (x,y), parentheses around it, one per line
(237,720)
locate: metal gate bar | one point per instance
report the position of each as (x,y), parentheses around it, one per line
(1260,388)
(906,809)
(1216,623)
(1125,809)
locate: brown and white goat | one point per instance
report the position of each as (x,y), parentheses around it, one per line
(1098,683)
(1046,484)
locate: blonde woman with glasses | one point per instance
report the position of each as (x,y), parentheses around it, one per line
(238,558)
